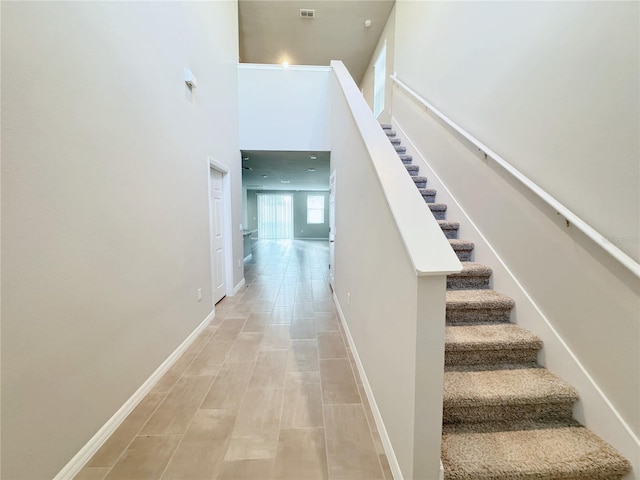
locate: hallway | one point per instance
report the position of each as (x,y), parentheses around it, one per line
(269,390)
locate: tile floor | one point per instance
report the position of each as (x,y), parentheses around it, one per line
(269,390)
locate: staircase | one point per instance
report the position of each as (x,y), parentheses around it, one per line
(504,416)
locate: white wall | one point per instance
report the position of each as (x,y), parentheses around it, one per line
(284,108)
(366,85)
(105,234)
(552,87)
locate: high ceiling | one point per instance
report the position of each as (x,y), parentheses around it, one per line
(274,32)
(265,170)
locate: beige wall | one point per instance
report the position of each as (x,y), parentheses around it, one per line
(105,235)
(388,36)
(552,87)
(284,108)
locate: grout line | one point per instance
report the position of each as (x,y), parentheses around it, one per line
(138,431)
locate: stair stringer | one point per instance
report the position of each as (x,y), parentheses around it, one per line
(593,409)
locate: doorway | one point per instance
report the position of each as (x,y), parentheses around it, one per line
(332,228)
(217,223)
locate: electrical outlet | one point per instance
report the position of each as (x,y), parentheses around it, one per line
(199,294)
(348,299)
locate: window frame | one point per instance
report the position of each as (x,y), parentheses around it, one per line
(321,210)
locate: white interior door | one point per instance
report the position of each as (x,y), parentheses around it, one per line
(217,235)
(332,227)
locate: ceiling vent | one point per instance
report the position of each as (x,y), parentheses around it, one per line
(307,13)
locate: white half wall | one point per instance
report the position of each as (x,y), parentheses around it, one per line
(391,261)
(284,108)
(105,233)
(552,87)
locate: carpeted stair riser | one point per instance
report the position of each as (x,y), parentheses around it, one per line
(507,413)
(481,360)
(504,417)
(461,316)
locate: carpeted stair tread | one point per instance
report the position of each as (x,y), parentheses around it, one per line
(535,451)
(500,336)
(406,159)
(478,299)
(386,126)
(462,248)
(412,169)
(472,276)
(440,207)
(477,306)
(389,132)
(460,244)
(394,140)
(499,387)
(439,210)
(429,194)
(498,345)
(400,148)
(420,182)
(449,224)
(450,229)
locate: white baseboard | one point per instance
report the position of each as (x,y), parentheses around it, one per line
(237,288)
(384,436)
(81,458)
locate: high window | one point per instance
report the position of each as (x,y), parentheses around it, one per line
(379,78)
(315,208)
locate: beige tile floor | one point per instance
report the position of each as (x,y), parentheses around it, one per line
(269,390)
